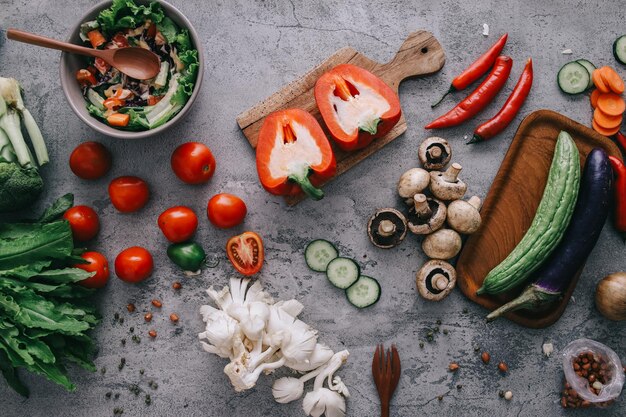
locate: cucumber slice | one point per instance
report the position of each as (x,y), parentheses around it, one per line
(619,49)
(589,67)
(364,293)
(573,78)
(342,272)
(319,253)
(95,98)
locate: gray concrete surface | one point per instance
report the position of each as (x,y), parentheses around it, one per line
(253,48)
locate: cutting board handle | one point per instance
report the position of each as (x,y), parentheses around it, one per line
(420,54)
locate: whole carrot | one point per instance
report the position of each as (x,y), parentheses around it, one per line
(619,170)
(510,109)
(479,98)
(477,69)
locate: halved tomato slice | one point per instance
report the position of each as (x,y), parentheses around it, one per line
(245,252)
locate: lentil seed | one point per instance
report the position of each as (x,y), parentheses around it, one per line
(157,303)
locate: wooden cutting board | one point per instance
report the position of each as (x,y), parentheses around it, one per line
(511,204)
(420,54)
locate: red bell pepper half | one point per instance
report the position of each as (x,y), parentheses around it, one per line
(293,154)
(356,106)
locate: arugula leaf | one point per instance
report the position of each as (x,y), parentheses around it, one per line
(52,241)
(8,371)
(57,209)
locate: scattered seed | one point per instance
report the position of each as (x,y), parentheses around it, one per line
(503,367)
(141,371)
(459,386)
(445,331)
(121,320)
(131,329)
(501,394)
(157,303)
(116,316)
(508,395)
(148,317)
(136,339)
(440,398)
(122,364)
(486,357)
(130,307)
(453,367)
(436,329)
(422,345)
(465,311)
(103,370)
(152,333)
(155,385)
(429,334)
(148,399)
(177,285)
(118,411)
(134,388)
(476,348)
(438,322)
(174,317)
(123,342)
(108,395)
(117,395)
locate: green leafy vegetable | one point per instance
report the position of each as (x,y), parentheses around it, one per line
(168,29)
(44,317)
(124,14)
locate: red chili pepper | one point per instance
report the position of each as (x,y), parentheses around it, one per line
(621,139)
(479,98)
(510,109)
(619,170)
(477,69)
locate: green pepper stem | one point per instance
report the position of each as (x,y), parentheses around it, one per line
(371,127)
(451,89)
(532,298)
(302,179)
(474,139)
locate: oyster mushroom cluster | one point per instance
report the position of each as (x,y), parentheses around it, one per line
(435,209)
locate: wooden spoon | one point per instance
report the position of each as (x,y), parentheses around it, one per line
(135,62)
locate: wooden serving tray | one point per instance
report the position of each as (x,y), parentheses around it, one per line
(420,54)
(511,204)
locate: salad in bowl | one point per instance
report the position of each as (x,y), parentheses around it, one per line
(126,103)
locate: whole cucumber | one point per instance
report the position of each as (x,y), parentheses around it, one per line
(549,224)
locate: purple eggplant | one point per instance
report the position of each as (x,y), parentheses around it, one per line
(590,213)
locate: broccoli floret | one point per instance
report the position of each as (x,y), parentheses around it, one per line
(19,186)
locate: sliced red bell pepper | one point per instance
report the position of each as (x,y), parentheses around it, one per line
(293,154)
(356,106)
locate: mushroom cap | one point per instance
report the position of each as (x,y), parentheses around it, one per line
(412,182)
(399,231)
(443,244)
(434,223)
(445,190)
(436,163)
(463,217)
(440,271)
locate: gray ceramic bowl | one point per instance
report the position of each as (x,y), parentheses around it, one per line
(71,63)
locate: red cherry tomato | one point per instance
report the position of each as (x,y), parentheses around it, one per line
(178,223)
(90,160)
(98,264)
(128,194)
(83,221)
(133,264)
(193,163)
(245,252)
(226,210)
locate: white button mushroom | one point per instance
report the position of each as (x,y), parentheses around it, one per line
(434,153)
(443,244)
(463,216)
(412,182)
(426,216)
(435,280)
(447,185)
(387,228)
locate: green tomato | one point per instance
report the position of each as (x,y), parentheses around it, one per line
(189,255)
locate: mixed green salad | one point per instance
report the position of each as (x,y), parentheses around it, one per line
(124,102)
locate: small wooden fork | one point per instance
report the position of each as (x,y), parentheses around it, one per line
(386,371)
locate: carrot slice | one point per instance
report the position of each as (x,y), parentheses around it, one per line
(599,82)
(611,104)
(606,121)
(96,38)
(118,119)
(612,79)
(594,98)
(603,131)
